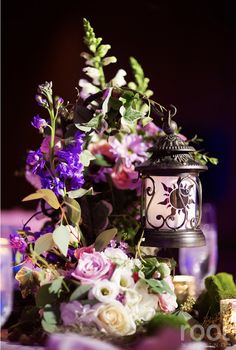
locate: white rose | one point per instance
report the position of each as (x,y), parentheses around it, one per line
(116,255)
(104,291)
(122,276)
(114,319)
(142,305)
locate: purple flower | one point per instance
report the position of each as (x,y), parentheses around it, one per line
(35,160)
(70,312)
(18,243)
(58,102)
(131,149)
(55,184)
(101,175)
(38,122)
(42,102)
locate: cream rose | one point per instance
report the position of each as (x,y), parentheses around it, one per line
(114,319)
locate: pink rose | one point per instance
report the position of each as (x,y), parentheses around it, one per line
(92,267)
(45,145)
(78,252)
(125,178)
(167,301)
(103,148)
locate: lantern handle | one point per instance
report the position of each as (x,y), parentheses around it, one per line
(169,125)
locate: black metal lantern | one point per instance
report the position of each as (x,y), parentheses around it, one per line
(171,192)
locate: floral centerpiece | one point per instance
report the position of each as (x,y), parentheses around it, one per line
(84,271)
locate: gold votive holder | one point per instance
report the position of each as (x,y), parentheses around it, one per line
(228,317)
(185,286)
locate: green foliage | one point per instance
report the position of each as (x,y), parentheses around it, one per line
(56,286)
(46,194)
(162,320)
(104,238)
(49,320)
(61,237)
(204,159)
(44,296)
(86,157)
(44,243)
(80,193)
(158,286)
(80,291)
(73,211)
(218,287)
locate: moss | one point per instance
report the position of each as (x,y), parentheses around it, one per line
(218,287)
(161,320)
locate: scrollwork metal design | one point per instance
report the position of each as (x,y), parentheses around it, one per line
(181,194)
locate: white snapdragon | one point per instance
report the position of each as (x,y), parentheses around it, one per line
(93,73)
(119,79)
(87,88)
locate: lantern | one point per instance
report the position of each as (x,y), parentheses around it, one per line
(171,192)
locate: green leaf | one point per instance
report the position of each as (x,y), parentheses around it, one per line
(46,194)
(105,105)
(73,210)
(213,161)
(49,320)
(44,297)
(130,115)
(80,193)
(80,291)
(86,157)
(61,237)
(158,286)
(44,243)
(93,123)
(146,120)
(55,286)
(104,238)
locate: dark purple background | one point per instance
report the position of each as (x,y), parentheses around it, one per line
(187,48)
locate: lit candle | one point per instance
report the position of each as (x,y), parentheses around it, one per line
(228,317)
(171,200)
(6,280)
(185,286)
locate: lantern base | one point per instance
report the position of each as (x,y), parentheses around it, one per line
(173,239)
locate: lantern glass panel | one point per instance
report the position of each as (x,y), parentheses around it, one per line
(171,202)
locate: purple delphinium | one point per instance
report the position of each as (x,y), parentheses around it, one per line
(70,169)
(36,161)
(55,184)
(38,122)
(42,102)
(17,242)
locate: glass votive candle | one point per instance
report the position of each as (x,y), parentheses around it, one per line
(6,280)
(185,286)
(228,317)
